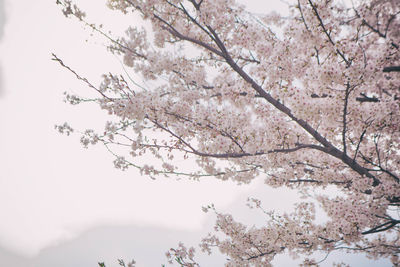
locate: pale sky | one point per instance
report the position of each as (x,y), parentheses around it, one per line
(63,205)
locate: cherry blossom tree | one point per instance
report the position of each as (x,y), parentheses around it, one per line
(306,101)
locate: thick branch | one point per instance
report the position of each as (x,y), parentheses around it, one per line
(346,100)
(392,69)
(382,227)
(329,148)
(365,98)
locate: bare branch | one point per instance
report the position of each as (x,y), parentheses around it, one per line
(392,69)
(55,58)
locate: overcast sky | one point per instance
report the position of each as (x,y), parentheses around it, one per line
(63,205)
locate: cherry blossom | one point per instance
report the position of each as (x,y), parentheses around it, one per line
(306,101)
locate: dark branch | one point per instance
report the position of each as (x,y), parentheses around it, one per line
(382,227)
(365,98)
(344,116)
(392,69)
(327,33)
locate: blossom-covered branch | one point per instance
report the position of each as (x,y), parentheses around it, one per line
(313,104)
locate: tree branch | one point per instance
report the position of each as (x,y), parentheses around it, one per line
(328,34)
(344,116)
(329,148)
(382,227)
(392,69)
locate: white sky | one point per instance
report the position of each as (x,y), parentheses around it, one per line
(55,195)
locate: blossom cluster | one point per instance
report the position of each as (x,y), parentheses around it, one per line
(311,105)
